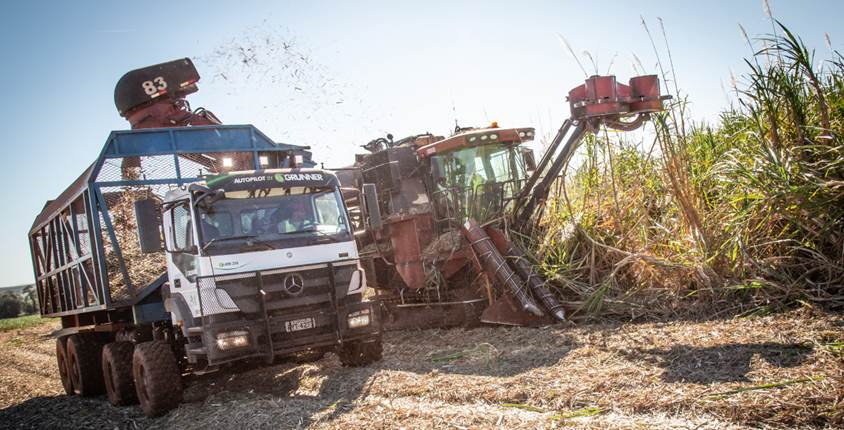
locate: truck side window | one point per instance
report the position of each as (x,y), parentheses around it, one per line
(182,231)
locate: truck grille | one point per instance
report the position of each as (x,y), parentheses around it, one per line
(287,290)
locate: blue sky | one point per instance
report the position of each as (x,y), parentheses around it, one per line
(364,69)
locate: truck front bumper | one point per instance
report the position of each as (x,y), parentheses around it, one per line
(288,333)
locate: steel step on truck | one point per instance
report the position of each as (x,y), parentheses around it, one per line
(187,245)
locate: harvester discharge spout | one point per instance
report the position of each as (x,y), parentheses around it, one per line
(155,96)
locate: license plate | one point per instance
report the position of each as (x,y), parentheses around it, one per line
(300,324)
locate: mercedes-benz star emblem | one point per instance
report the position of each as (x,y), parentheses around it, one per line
(294,284)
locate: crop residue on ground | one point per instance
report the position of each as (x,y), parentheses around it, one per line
(778,371)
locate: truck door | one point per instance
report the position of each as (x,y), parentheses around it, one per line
(182,253)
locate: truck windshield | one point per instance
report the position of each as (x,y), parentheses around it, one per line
(272,219)
(476,182)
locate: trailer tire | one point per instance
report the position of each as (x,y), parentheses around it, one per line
(158,380)
(61,361)
(117,373)
(360,353)
(84,363)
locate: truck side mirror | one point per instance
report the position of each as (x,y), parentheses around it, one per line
(370,199)
(148,220)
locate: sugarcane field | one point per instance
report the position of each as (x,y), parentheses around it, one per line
(380,215)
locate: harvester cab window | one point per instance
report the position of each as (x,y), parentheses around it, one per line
(475,166)
(477,182)
(499,166)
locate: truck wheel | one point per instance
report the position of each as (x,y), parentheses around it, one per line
(117,373)
(360,353)
(84,364)
(61,359)
(158,381)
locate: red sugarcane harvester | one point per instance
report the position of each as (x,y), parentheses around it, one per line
(433,211)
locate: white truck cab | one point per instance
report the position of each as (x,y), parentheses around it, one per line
(264,263)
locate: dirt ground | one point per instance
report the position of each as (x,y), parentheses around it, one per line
(781,371)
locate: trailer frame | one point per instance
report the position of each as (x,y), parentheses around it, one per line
(67,239)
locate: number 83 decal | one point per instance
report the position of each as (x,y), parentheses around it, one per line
(154,86)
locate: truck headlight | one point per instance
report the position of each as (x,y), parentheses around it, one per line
(232,340)
(359,319)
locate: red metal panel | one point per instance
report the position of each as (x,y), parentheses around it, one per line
(602,96)
(462,140)
(409,236)
(645,93)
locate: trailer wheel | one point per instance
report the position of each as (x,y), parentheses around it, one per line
(61,360)
(158,381)
(360,353)
(84,364)
(117,373)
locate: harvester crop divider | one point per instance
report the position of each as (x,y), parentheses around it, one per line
(490,293)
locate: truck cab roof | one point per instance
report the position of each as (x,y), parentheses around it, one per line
(256,179)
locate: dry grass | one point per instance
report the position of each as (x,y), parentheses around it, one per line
(779,371)
(444,245)
(740,216)
(28,363)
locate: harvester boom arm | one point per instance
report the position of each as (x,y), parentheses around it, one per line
(601,100)
(543,163)
(539,183)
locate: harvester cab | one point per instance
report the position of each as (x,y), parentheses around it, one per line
(439,254)
(476,173)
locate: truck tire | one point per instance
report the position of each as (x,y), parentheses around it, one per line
(61,360)
(117,373)
(158,381)
(360,353)
(84,364)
